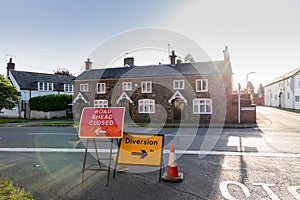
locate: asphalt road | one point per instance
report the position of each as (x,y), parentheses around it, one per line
(254,163)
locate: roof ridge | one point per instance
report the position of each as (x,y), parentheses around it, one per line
(284,76)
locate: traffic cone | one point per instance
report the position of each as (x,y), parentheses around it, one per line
(172,175)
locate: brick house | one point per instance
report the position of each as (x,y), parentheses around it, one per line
(198,92)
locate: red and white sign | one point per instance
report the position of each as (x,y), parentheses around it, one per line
(102,123)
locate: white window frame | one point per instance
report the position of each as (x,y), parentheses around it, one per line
(178,84)
(68,87)
(201,89)
(126,86)
(297,99)
(146,106)
(84,87)
(45,86)
(101,88)
(146,86)
(201,105)
(100,103)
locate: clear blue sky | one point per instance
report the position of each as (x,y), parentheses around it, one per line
(262,36)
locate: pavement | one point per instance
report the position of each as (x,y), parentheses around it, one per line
(42,121)
(38,123)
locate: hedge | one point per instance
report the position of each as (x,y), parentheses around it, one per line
(52,102)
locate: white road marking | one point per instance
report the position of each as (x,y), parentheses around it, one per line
(185,152)
(225,192)
(52,134)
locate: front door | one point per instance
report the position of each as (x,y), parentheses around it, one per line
(178,107)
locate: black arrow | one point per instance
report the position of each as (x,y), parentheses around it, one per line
(143,154)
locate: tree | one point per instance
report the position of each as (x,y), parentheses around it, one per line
(261,91)
(179,60)
(9,95)
(189,59)
(250,90)
(63,71)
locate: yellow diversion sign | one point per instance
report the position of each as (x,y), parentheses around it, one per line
(141,149)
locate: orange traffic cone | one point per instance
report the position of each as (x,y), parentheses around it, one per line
(172,175)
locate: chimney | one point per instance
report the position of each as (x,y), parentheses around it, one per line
(88,64)
(226,54)
(173,58)
(10,66)
(129,62)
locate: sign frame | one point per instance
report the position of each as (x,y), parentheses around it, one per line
(116,125)
(142,153)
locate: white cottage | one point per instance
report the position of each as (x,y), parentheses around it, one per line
(284,91)
(31,84)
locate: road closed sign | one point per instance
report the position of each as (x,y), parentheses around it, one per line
(140,149)
(102,122)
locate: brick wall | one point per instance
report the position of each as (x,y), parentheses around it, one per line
(224,104)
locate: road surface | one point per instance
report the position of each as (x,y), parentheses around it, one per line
(254,163)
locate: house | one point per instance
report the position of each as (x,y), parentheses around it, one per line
(198,92)
(31,84)
(284,91)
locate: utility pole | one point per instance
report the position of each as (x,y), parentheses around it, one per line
(239,103)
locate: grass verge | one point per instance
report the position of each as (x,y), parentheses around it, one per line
(57,123)
(14,120)
(8,191)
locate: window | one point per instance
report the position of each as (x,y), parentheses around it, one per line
(201,85)
(127,86)
(45,86)
(298,84)
(288,95)
(146,106)
(178,84)
(297,99)
(100,88)
(100,103)
(68,87)
(84,87)
(202,106)
(146,86)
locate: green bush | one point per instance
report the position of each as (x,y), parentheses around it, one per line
(9,191)
(52,102)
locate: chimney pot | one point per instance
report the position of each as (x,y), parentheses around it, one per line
(129,61)
(173,58)
(88,64)
(10,66)
(226,54)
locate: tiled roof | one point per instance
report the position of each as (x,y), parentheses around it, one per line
(285,76)
(28,80)
(185,69)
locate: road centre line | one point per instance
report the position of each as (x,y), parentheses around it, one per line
(52,134)
(185,152)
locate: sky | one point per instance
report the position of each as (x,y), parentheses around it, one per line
(43,36)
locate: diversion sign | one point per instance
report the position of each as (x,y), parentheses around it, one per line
(102,122)
(141,149)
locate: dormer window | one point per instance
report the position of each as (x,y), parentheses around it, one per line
(45,86)
(68,87)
